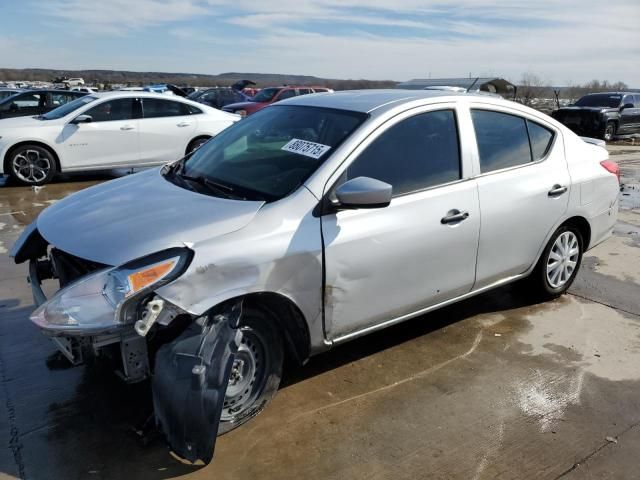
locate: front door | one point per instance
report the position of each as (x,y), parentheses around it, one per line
(523,188)
(111,139)
(385,263)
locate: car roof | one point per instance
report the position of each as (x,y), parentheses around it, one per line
(611,93)
(367,101)
(135,93)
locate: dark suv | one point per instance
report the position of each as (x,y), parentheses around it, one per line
(35,102)
(603,115)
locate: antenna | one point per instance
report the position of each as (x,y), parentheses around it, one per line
(474,82)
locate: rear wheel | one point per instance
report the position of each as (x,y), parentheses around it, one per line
(256,371)
(559,262)
(31,165)
(196,144)
(609,131)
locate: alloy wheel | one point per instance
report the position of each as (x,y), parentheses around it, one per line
(31,166)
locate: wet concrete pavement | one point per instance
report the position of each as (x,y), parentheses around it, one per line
(497,386)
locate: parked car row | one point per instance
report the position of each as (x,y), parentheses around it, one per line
(270,95)
(315,221)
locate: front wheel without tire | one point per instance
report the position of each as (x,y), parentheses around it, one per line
(256,372)
(559,262)
(32,165)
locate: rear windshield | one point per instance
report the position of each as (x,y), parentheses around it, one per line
(271,153)
(600,100)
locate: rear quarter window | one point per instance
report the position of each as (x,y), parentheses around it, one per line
(540,138)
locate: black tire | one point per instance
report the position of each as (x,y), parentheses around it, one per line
(196,144)
(540,280)
(261,344)
(31,164)
(609,131)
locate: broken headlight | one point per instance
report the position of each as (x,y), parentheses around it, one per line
(109,298)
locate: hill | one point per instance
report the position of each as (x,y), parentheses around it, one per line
(192,79)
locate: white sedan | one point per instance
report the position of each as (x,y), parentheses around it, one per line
(103,131)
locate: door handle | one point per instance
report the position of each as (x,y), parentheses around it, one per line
(127,127)
(184,124)
(557,190)
(454,216)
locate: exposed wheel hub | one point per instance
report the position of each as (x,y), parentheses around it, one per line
(246,379)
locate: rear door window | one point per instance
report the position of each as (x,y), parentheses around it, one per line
(417,153)
(28,100)
(502,140)
(158,107)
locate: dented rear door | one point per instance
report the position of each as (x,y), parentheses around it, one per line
(190,381)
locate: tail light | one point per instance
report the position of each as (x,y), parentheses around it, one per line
(611,167)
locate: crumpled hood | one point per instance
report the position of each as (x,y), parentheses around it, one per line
(137,215)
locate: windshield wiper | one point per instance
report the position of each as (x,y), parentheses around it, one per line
(220,188)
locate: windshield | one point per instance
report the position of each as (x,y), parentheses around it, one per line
(600,100)
(266,94)
(271,153)
(67,108)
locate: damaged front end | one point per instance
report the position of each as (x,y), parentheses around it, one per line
(114,312)
(99,307)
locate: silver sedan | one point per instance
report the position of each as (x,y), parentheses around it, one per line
(313,222)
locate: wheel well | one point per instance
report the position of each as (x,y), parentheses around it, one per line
(290,320)
(583,227)
(39,144)
(199,137)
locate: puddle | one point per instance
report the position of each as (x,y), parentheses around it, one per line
(630,196)
(589,336)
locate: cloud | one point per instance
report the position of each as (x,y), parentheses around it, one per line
(121,16)
(568,41)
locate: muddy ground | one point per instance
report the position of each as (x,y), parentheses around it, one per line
(495,387)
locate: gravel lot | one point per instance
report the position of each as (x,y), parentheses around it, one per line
(494,387)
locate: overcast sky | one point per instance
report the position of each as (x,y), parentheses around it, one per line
(561,41)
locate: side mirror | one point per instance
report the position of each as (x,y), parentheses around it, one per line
(363,192)
(13,107)
(627,105)
(82,119)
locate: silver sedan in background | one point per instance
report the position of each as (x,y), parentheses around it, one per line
(315,221)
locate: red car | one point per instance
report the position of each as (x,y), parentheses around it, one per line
(270,95)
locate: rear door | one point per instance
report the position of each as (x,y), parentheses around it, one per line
(382,264)
(110,140)
(166,128)
(523,186)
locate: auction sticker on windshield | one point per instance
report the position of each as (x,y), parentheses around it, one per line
(306,148)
